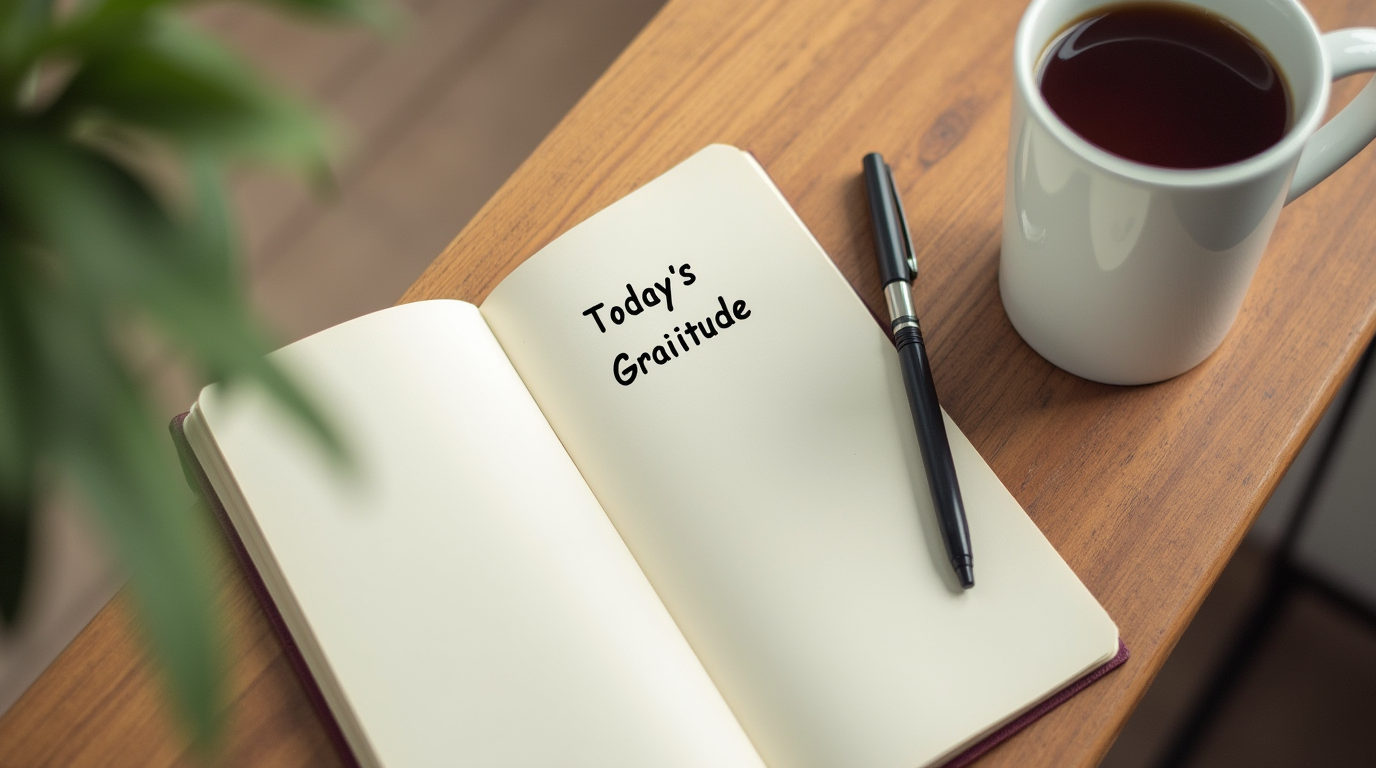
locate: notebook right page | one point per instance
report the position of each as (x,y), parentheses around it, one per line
(762,466)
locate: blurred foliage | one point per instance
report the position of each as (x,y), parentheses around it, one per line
(118,124)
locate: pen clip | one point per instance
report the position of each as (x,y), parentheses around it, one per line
(911,255)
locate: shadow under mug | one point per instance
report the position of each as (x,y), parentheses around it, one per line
(1127,273)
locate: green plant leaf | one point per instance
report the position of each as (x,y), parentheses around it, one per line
(21,21)
(108,444)
(21,404)
(20,380)
(377,14)
(87,248)
(16,516)
(101,433)
(118,252)
(174,82)
(97,26)
(211,226)
(123,248)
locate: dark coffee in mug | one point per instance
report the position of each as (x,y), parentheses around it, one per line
(1166,84)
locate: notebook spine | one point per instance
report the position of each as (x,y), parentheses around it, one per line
(200,485)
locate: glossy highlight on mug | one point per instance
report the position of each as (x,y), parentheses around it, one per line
(1166,84)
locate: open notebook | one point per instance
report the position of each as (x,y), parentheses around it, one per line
(657,502)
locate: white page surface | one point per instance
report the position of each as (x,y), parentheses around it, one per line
(769,483)
(465,601)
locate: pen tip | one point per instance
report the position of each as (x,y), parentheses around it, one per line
(965,572)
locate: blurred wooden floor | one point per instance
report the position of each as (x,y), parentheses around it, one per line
(434,120)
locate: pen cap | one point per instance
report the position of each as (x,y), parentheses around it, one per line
(889,246)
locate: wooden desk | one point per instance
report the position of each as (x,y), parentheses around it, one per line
(1145,491)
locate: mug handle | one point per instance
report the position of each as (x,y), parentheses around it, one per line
(1349,51)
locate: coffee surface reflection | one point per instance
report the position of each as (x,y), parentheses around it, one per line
(1167,85)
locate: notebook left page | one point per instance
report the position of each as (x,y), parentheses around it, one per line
(462,599)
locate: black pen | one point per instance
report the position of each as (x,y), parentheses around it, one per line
(897,267)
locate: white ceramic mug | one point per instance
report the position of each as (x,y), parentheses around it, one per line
(1127,273)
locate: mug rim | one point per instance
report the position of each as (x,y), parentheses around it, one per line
(1027,52)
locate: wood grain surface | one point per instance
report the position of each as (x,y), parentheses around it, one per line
(1145,491)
